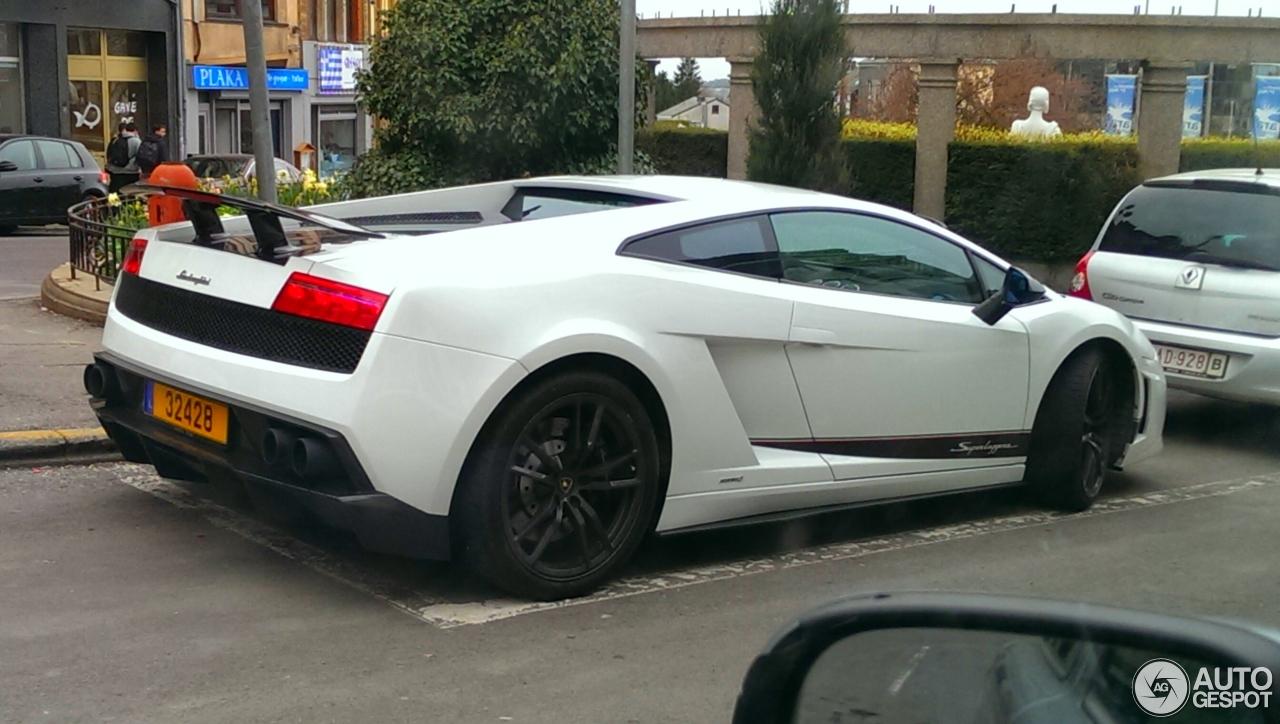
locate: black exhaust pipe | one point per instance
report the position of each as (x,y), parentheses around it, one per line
(100,382)
(312,458)
(277,447)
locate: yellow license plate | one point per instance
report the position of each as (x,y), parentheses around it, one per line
(184,410)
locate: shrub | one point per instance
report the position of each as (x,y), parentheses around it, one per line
(882,170)
(1208,153)
(1039,202)
(685,151)
(795,139)
(469,92)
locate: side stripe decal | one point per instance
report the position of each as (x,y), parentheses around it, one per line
(931,447)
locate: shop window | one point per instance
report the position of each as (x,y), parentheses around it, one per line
(87,116)
(125,43)
(335,139)
(231,9)
(129,105)
(84,41)
(11,116)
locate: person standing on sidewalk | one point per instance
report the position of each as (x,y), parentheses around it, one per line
(153,151)
(122,157)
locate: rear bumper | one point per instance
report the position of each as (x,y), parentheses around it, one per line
(1253,372)
(344,499)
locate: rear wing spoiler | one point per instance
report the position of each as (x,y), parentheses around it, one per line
(201,209)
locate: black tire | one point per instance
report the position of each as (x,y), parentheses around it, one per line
(583,500)
(1076,436)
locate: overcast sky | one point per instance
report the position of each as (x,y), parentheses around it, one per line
(716,68)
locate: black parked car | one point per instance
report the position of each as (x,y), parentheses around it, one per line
(40,177)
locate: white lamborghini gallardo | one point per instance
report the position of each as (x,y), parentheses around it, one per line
(530,376)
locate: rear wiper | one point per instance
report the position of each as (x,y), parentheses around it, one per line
(1229,261)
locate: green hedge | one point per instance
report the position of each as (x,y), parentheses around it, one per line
(1037,202)
(685,151)
(1030,202)
(882,171)
(1200,155)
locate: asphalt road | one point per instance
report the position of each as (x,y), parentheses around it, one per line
(129,599)
(28,257)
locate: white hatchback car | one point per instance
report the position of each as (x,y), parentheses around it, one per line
(1194,260)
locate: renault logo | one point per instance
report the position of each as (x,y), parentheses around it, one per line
(1191,278)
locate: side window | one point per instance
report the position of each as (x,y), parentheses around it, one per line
(22,153)
(991,275)
(870,254)
(56,155)
(739,245)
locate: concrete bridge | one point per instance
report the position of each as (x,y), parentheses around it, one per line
(1166,45)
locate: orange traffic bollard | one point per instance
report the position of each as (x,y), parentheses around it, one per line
(163,209)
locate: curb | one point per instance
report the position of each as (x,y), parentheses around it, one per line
(59,293)
(23,448)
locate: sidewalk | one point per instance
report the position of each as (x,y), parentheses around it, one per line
(44,411)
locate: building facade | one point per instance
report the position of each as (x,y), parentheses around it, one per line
(77,68)
(313,49)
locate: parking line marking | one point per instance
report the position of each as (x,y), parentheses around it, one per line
(447,615)
(319,560)
(451,615)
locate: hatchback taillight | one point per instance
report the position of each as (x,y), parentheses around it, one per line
(104,177)
(1080,282)
(328,301)
(133,258)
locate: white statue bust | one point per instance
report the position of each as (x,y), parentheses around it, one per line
(1034,125)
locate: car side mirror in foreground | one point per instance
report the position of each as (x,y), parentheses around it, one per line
(6,166)
(1018,289)
(974,659)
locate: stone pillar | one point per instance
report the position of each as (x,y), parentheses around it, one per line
(742,109)
(1162,91)
(651,108)
(936,126)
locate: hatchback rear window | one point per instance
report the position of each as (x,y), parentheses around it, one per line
(1198,224)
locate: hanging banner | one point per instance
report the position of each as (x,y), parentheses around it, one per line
(1193,107)
(1121,92)
(1266,108)
(337,66)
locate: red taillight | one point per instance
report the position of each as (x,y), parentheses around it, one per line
(104,177)
(133,258)
(1080,282)
(328,301)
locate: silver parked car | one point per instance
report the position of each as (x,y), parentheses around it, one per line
(1194,260)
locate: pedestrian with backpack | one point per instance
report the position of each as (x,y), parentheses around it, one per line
(153,151)
(122,157)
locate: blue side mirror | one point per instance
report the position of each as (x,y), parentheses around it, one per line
(1019,288)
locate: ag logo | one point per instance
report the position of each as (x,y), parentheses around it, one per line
(1160,687)
(1190,278)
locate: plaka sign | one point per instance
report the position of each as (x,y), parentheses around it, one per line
(220,77)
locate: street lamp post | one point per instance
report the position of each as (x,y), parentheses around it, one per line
(627,88)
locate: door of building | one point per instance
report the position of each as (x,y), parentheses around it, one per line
(108,74)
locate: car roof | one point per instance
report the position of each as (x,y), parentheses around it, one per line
(1266,176)
(11,136)
(233,156)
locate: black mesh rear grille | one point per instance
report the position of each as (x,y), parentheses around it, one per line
(421,217)
(240,328)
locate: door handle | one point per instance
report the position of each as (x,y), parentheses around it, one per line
(78,178)
(813,336)
(38,179)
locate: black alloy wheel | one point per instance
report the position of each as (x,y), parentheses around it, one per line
(563,488)
(1099,427)
(1077,433)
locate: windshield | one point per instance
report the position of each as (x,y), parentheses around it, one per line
(217,167)
(1198,224)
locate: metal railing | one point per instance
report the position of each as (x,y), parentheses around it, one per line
(97,246)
